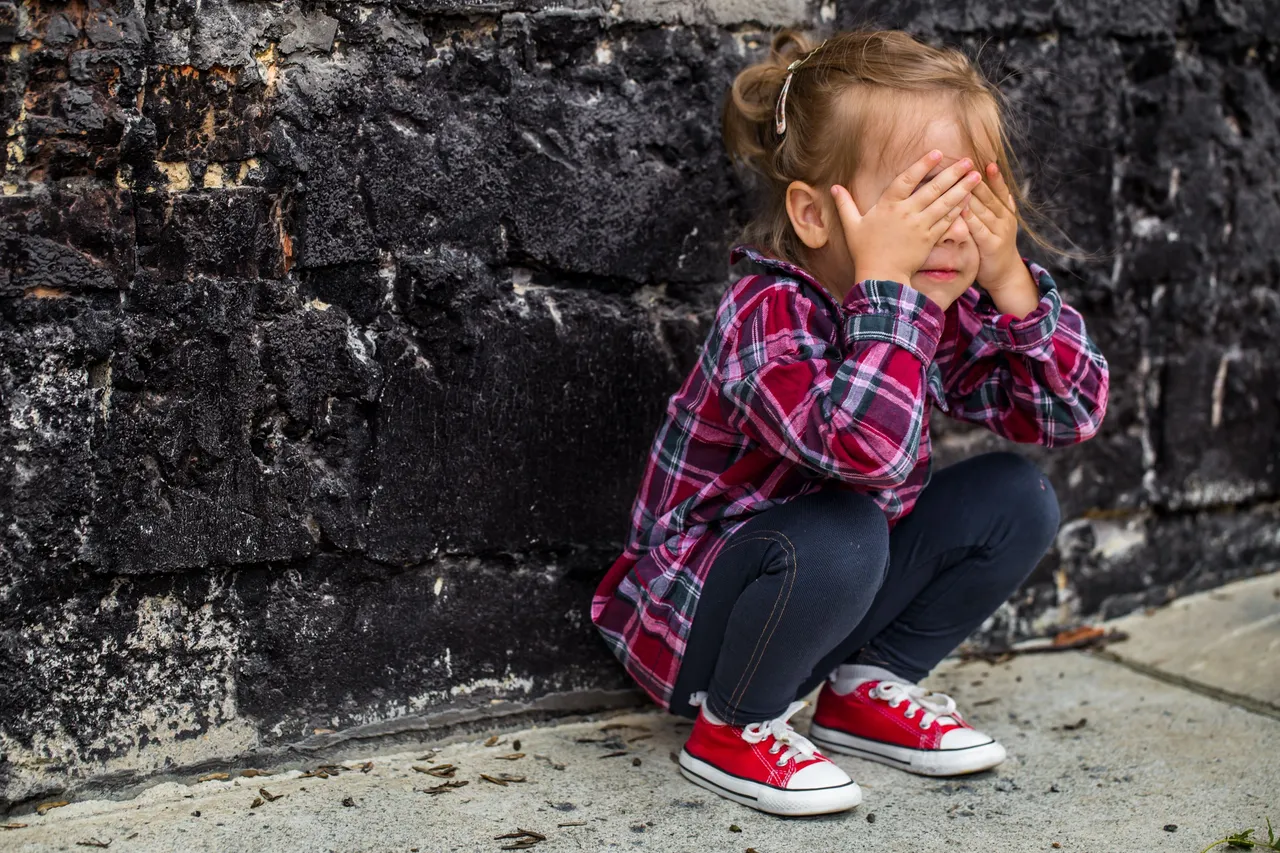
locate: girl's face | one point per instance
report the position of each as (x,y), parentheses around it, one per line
(955,250)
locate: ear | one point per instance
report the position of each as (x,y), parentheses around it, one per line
(810,213)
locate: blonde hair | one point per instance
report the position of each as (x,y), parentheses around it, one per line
(854,83)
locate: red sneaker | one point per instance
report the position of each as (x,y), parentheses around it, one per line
(767,766)
(903,726)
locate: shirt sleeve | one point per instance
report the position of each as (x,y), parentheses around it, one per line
(1039,380)
(847,404)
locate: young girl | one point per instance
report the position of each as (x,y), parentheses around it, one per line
(788,532)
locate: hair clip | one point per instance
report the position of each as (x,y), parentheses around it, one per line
(780,112)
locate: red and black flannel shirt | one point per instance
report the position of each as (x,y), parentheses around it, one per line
(794,390)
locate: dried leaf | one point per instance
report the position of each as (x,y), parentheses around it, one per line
(507,777)
(486,777)
(366,767)
(515,756)
(44,807)
(638,737)
(442,771)
(492,741)
(445,786)
(268,796)
(1076,636)
(573,823)
(615,754)
(209,777)
(324,731)
(12,825)
(251,772)
(257,801)
(1071,727)
(93,842)
(348,802)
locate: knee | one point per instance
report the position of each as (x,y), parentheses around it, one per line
(1026,493)
(849,536)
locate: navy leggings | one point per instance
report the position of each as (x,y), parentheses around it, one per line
(820,581)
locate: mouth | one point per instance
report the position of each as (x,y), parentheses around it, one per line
(940,274)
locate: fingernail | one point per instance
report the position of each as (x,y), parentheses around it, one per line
(935,155)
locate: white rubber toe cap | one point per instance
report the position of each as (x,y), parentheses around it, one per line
(817,774)
(963,739)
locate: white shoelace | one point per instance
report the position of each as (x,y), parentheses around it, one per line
(778,729)
(936,706)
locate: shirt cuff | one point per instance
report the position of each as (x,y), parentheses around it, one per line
(889,311)
(1034,331)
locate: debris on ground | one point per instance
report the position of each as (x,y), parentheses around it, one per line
(502,778)
(212,777)
(12,825)
(1083,637)
(555,765)
(349,802)
(515,756)
(44,807)
(442,787)
(251,772)
(268,796)
(93,842)
(523,839)
(443,771)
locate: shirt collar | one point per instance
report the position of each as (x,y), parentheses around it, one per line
(764,259)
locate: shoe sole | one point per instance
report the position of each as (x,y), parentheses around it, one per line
(925,762)
(767,798)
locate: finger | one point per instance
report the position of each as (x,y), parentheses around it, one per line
(905,184)
(941,183)
(977,228)
(952,197)
(996,179)
(990,198)
(986,215)
(846,209)
(937,229)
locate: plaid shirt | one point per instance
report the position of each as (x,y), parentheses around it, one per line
(794,391)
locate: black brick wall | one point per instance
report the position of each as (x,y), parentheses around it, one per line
(332,338)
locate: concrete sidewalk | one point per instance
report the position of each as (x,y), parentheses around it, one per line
(1165,742)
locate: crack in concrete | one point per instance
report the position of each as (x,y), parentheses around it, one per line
(1227,697)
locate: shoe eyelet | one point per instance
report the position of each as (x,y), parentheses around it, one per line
(923,727)
(780,763)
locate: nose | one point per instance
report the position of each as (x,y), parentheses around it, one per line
(957,232)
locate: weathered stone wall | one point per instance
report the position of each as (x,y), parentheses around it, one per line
(334,336)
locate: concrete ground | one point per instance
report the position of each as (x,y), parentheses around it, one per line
(1165,742)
